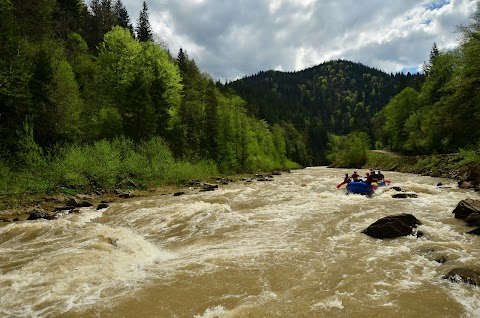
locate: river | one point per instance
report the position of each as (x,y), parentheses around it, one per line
(291,247)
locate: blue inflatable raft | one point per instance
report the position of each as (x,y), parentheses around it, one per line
(364,188)
(360,188)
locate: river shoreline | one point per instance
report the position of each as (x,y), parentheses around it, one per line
(450,166)
(18,207)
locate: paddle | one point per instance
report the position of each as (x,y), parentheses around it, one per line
(340,184)
(386,181)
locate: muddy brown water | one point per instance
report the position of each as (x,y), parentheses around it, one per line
(292,247)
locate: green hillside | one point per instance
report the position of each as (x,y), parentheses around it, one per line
(337,97)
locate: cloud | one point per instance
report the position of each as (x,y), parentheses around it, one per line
(232,39)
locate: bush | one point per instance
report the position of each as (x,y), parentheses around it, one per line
(6,177)
(471,155)
(349,151)
(182,172)
(69,165)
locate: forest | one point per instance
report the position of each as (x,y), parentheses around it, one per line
(87,99)
(336,97)
(90,99)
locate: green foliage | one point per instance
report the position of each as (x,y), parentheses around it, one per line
(471,154)
(295,147)
(444,116)
(30,155)
(6,177)
(108,123)
(107,165)
(88,106)
(349,151)
(142,80)
(392,131)
(63,93)
(117,60)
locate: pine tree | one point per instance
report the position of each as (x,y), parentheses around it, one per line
(434,52)
(123,19)
(68,17)
(144,30)
(98,22)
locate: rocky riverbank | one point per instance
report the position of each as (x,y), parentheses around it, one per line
(31,206)
(452,166)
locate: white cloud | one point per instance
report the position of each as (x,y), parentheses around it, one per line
(232,39)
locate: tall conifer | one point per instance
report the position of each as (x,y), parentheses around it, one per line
(123,19)
(144,30)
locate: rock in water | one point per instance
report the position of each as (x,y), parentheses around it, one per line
(476,231)
(392,226)
(466,275)
(404,195)
(102,206)
(39,214)
(466,207)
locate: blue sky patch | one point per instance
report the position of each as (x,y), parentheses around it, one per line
(411,69)
(427,21)
(437,4)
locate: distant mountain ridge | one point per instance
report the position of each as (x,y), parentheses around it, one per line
(342,95)
(336,97)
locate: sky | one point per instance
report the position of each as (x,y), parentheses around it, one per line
(231,39)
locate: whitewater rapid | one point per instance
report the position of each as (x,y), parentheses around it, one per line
(291,247)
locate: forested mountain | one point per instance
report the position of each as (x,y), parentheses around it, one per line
(338,97)
(343,94)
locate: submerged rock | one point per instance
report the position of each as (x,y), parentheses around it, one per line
(465,275)
(102,206)
(209,187)
(475,232)
(441,259)
(404,195)
(393,226)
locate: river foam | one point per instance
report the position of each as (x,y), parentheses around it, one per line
(76,263)
(290,247)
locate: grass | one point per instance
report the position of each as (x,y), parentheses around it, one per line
(104,167)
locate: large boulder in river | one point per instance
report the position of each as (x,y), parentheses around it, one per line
(473,219)
(39,214)
(392,226)
(466,207)
(463,274)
